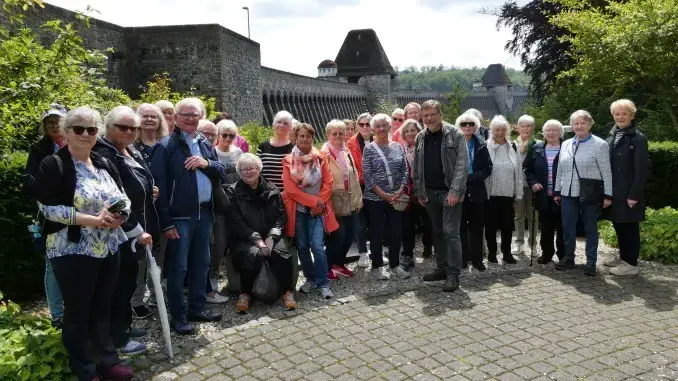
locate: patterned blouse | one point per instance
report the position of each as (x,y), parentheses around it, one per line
(92,189)
(374,169)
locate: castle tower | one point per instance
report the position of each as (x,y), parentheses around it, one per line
(497,82)
(327,68)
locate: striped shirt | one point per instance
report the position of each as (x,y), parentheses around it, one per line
(374,169)
(551,153)
(271,158)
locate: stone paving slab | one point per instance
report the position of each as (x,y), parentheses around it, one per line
(521,325)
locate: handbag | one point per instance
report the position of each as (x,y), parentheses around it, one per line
(341,203)
(403,201)
(265,286)
(590,190)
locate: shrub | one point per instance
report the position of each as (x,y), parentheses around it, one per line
(662,188)
(255,133)
(30,348)
(159,88)
(658,235)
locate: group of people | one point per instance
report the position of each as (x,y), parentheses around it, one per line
(163,177)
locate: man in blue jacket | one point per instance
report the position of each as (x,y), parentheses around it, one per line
(185,167)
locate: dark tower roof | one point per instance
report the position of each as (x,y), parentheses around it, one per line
(327,64)
(362,54)
(495,75)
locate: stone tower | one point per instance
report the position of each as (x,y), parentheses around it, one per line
(497,82)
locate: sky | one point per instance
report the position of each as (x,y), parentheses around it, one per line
(296,35)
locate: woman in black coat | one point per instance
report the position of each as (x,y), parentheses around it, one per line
(630,163)
(541,166)
(472,212)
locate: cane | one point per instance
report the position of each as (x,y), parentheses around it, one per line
(533,240)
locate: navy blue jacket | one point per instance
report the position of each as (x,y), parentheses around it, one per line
(482,169)
(536,172)
(179,187)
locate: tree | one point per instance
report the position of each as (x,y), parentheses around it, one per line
(452,109)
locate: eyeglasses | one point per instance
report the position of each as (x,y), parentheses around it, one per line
(189,116)
(398,120)
(79,130)
(150,116)
(467,124)
(337,134)
(364,124)
(431,115)
(227,136)
(252,169)
(124,128)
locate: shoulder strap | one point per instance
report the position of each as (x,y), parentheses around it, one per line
(515,148)
(388,168)
(60,165)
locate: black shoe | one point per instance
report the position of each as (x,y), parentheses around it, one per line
(141,312)
(135,333)
(182,327)
(590,270)
(544,260)
(565,264)
(451,285)
(480,266)
(509,259)
(56,323)
(203,316)
(492,258)
(407,262)
(428,252)
(436,275)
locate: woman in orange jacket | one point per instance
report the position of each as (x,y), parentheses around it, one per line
(356,145)
(308,182)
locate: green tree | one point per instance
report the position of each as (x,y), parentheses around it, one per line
(452,109)
(160,88)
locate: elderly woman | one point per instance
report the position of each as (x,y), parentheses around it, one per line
(167,109)
(629,161)
(523,208)
(121,128)
(208,130)
(308,190)
(415,213)
(153,128)
(386,179)
(541,169)
(347,198)
(504,186)
(584,159)
(397,118)
(356,145)
(473,208)
(240,141)
(258,217)
(350,130)
(81,195)
(412,111)
(50,143)
(482,131)
(273,151)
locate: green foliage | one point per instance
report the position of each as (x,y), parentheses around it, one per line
(255,133)
(160,88)
(452,109)
(30,348)
(445,79)
(385,107)
(658,235)
(14,9)
(662,189)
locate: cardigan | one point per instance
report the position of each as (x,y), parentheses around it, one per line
(593,162)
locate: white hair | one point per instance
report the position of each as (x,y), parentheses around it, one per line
(248,159)
(227,125)
(468,117)
(499,122)
(397,111)
(195,102)
(114,116)
(363,116)
(380,118)
(283,115)
(407,123)
(79,115)
(581,114)
(552,123)
(162,123)
(475,112)
(335,124)
(164,104)
(204,123)
(526,119)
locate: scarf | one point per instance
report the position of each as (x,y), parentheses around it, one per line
(471,154)
(339,156)
(409,155)
(305,169)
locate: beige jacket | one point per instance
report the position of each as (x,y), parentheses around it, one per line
(344,202)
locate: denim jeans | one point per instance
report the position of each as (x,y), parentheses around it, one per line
(379,212)
(55,302)
(570,214)
(340,241)
(310,236)
(191,250)
(445,220)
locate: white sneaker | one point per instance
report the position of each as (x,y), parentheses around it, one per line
(518,250)
(364,260)
(386,261)
(327,294)
(624,269)
(400,272)
(214,284)
(216,299)
(614,262)
(381,273)
(306,287)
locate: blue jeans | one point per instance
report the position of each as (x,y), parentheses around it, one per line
(55,302)
(192,250)
(570,211)
(340,241)
(310,235)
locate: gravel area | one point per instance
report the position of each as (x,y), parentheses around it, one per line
(343,289)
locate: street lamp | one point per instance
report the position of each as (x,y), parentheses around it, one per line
(248,21)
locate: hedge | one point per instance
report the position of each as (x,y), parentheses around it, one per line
(662,186)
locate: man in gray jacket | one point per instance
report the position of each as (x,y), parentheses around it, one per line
(439,173)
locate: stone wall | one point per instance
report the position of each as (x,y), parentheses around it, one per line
(240,89)
(403,97)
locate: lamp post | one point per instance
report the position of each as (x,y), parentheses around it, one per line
(248,21)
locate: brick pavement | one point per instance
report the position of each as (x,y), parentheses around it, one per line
(519,325)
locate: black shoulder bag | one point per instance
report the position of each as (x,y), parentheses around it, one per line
(590,190)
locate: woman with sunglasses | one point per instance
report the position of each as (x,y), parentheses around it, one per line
(397,117)
(75,189)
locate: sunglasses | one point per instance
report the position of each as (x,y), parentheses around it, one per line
(467,124)
(337,134)
(398,120)
(364,124)
(124,128)
(226,136)
(79,130)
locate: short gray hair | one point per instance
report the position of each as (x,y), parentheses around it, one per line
(552,123)
(380,118)
(363,116)
(163,130)
(475,112)
(397,111)
(283,115)
(227,125)
(195,102)
(468,117)
(498,122)
(526,119)
(164,104)
(581,114)
(335,124)
(248,159)
(79,115)
(412,104)
(114,116)
(407,123)
(204,123)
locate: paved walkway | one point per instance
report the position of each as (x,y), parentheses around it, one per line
(521,325)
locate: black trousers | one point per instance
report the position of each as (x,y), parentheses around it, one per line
(416,215)
(248,262)
(121,308)
(628,235)
(86,285)
(551,224)
(379,212)
(499,216)
(471,231)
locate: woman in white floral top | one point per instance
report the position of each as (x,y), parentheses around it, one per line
(75,188)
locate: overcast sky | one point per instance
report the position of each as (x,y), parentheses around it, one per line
(296,35)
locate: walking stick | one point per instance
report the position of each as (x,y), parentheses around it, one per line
(533,240)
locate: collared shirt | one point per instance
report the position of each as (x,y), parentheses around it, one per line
(204,183)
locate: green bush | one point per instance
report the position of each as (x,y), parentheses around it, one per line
(30,348)
(20,269)
(662,187)
(658,235)
(254,134)
(159,88)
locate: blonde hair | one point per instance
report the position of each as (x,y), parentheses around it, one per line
(335,124)
(552,123)
(581,114)
(163,130)
(623,103)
